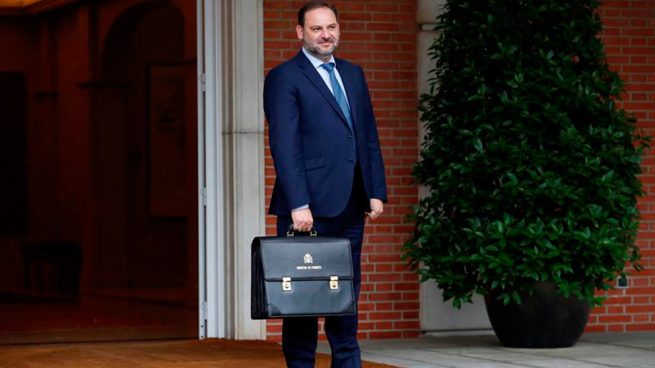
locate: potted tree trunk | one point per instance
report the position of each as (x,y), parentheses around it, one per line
(531,167)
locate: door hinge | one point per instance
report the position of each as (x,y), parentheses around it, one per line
(204,196)
(202,82)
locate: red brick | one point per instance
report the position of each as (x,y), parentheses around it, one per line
(616,328)
(596,328)
(410,315)
(407,325)
(642,318)
(384,316)
(385,325)
(634,309)
(614,318)
(641,327)
(407,306)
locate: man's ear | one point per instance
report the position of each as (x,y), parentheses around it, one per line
(299,31)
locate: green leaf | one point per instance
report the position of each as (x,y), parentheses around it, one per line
(478,145)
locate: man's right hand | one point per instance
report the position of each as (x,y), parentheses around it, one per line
(302,219)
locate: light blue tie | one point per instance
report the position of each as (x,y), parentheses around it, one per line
(338,92)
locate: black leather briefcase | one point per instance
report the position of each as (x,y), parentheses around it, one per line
(301,276)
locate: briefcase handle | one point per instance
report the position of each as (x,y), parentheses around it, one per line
(291,232)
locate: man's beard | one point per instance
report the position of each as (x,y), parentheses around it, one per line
(315,49)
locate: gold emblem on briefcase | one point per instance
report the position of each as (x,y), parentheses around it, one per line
(308,263)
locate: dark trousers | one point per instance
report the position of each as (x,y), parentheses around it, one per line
(300,335)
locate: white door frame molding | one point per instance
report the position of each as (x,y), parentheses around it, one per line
(211,244)
(233,163)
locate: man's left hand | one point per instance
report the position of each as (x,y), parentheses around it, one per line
(377,207)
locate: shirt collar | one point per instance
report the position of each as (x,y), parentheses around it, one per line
(316,62)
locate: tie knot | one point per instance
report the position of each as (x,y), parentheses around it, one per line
(328,66)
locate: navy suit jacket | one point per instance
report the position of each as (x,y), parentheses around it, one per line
(312,145)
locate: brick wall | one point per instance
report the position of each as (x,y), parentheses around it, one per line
(629,37)
(379,35)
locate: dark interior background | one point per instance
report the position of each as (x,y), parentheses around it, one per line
(98,198)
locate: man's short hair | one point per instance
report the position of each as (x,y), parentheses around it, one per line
(315,4)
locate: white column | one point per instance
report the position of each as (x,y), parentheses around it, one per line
(243,141)
(231,164)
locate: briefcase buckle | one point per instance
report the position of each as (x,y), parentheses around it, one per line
(334,282)
(286,283)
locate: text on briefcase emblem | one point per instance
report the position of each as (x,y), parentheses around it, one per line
(308,261)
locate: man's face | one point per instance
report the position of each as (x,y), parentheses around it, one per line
(320,35)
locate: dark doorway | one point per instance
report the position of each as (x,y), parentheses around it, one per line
(101,239)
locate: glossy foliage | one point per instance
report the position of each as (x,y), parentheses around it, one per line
(531,167)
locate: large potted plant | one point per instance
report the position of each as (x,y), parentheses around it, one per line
(530,166)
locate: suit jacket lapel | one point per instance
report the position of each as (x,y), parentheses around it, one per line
(312,74)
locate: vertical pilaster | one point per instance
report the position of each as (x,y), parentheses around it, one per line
(243,144)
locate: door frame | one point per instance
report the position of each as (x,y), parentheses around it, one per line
(211,247)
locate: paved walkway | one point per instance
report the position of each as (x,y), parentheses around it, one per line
(594,350)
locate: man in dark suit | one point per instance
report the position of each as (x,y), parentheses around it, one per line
(330,173)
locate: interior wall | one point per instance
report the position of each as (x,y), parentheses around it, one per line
(59,53)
